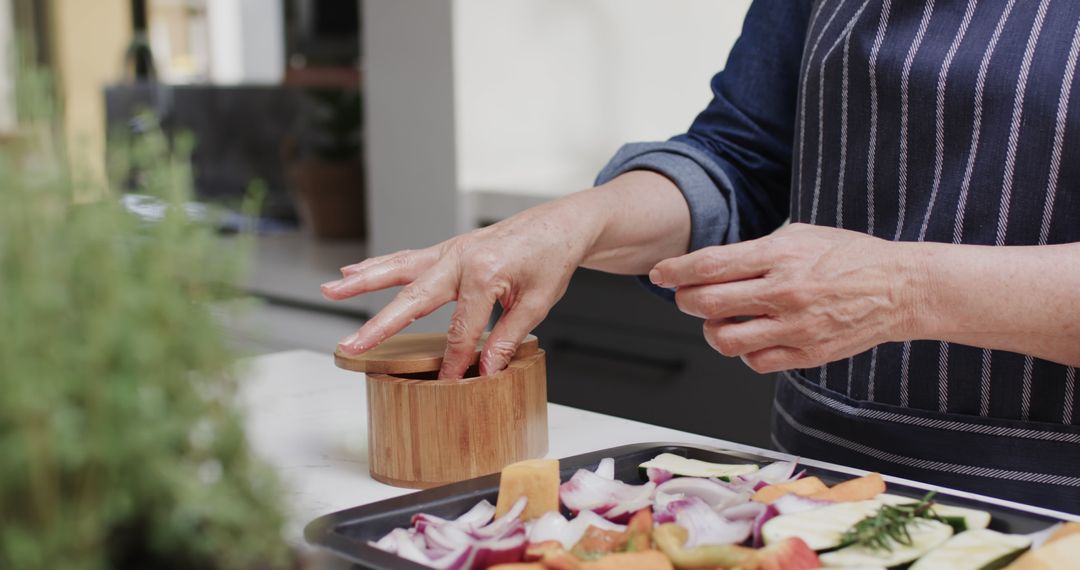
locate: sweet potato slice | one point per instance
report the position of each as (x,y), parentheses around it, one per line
(537,479)
(804,487)
(858,489)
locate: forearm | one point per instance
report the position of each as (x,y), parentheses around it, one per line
(1019,299)
(640,218)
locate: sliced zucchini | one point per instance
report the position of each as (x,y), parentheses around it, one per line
(978,549)
(681,466)
(960,518)
(926,535)
(821,528)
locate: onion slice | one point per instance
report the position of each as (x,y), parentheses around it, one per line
(705,526)
(554,526)
(657,475)
(714,494)
(589,491)
(776,472)
(792,503)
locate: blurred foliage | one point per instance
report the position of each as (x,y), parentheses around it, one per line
(334,124)
(120,444)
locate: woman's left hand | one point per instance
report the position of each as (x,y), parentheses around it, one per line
(814,294)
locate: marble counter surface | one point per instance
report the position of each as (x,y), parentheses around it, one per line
(308,419)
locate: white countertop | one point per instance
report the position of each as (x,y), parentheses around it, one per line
(308,420)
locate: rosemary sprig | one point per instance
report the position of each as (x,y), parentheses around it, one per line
(889,525)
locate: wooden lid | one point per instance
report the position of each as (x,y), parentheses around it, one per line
(415,353)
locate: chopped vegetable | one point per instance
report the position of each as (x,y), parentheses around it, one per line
(1060,552)
(681,466)
(705,526)
(671,540)
(657,475)
(789,554)
(919,537)
(890,524)
(960,518)
(712,492)
(803,487)
(792,503)
(555,527)
(614,500)
(597,542)
(536,479)
(821,528)
(974,550)
(859,489)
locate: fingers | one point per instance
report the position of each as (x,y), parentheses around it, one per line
(357,267)
(718,264)
(466,326)
(719,301)
(776,358)
(736,338)
(416,300)
(379,273)
(517,322)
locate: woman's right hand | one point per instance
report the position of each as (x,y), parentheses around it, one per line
(524,262)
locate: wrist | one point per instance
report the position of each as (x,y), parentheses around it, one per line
(914,290)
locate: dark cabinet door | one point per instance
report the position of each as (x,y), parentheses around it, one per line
(615,348)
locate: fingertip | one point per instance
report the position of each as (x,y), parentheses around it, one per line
(351,344)
(657,277)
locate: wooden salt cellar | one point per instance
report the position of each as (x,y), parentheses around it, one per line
(424,432)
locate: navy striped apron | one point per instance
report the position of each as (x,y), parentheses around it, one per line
(956,122)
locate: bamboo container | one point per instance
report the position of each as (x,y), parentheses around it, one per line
(424,432)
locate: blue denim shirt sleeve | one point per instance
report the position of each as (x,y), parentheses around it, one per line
(733,165)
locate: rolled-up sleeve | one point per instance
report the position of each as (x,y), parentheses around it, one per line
(733,166)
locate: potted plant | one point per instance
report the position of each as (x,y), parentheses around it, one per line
(120,444)
(325,169)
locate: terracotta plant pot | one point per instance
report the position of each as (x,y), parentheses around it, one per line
(330,197)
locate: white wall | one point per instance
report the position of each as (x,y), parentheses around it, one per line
(247,41)
(546,90)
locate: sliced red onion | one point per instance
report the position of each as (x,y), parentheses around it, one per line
(505,524)
(478,516)
(792,503)
(714,494)
(749,510)
(447,537)
(554,526)
(606,469)
(776,472)
(389,543)
(550,526)
(588,491)
(499,551)
(739,484)
(705,526)
(657,475)
(767,513)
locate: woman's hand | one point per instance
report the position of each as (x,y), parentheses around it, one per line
(816,295)
(523,262)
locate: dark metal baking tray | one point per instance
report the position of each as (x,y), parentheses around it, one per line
(346,533)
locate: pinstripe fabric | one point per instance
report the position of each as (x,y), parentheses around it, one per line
(802,98)
(948,98)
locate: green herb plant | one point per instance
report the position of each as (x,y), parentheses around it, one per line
(120,443)
(889,526)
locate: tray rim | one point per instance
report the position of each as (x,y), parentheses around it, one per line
(320,533)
